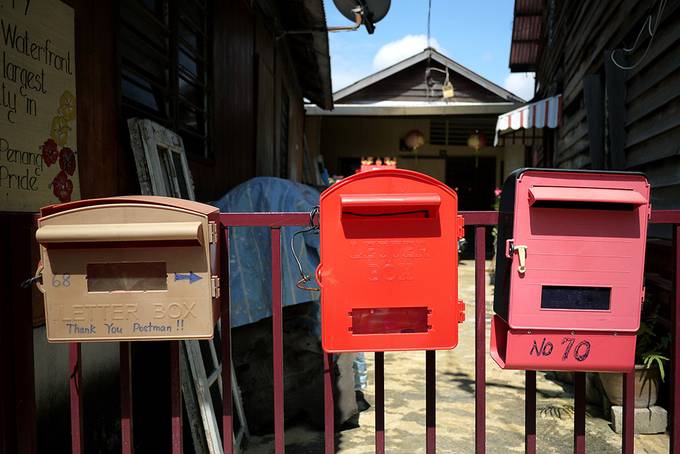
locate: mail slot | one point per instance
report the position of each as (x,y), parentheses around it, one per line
(569,270)
(389,263)
(129,268)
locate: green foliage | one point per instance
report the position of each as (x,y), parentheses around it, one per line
(651,359)
(653,342)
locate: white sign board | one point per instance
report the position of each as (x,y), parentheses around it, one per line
(38,156)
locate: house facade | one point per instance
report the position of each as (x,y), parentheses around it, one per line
(377,115)
(230,79)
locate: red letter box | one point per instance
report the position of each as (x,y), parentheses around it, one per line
(569,276)
(389,263)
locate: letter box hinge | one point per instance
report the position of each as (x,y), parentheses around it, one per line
(215,286)
(461,311)
(461,227)
(212,226)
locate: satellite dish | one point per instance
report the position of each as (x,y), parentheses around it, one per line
(373,10)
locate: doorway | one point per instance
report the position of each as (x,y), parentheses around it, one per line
(474,179)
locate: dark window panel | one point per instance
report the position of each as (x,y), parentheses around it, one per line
(165,62)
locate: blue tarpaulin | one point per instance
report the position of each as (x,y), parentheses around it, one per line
(250,248)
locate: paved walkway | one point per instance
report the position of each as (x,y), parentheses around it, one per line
(405,406)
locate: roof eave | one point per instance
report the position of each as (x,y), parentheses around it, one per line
(310,51)
(434,55)
(356,110)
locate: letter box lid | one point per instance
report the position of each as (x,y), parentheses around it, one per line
(188,205)
(517,173)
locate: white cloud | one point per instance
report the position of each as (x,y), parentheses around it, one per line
(343,77)
(396,51)
(521,84)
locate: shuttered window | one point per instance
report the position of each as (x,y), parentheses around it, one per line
(457,130)
(164,50)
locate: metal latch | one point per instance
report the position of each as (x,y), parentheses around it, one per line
(461,227)
(215,286)
(461,311)
(511,248)
(212,227)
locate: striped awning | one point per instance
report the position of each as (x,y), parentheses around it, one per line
(546,113)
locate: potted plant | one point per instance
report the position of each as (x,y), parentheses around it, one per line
(653,343)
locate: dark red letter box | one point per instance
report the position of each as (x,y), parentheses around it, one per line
(389,263)
(569,276)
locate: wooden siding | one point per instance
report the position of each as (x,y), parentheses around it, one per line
(583,34)
(409,85)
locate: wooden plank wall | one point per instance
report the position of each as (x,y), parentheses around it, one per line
(653,112)
(579,41)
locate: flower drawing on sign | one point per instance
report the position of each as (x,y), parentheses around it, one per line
(67,106)
(50,152)
(60,130)
(67,160)
(62,186)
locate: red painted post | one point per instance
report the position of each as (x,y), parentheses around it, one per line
(430,401)
(579,412)
(379,402)
(75,389)
(277,333)
(176,398)
(530,412)
(675,357)
(480,339)
(225,321)
(628,436)
(126,437)
(328,404)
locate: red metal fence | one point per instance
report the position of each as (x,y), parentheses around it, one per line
(275,221)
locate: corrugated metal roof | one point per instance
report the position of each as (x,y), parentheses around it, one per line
(529,6)
(527,30)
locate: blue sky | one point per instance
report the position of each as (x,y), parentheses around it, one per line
(476,34)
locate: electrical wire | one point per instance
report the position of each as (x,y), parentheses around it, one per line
(428,76)
(429,22)
(651,29)
(313,226)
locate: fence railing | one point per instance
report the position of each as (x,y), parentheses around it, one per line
(275,221)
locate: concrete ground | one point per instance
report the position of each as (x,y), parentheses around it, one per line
(405,406)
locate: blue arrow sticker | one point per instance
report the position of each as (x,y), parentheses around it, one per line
(191,277)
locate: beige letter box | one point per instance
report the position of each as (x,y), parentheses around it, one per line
(129,268)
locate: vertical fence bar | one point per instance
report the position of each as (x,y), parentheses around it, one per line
(379,402)
(675,357)
(579,412)
(126,434)
(430,401)
(480,339)
(76,389)
(176,398)
(530,412)
(628,436)
(328,405)
(277,333)
(225,326)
